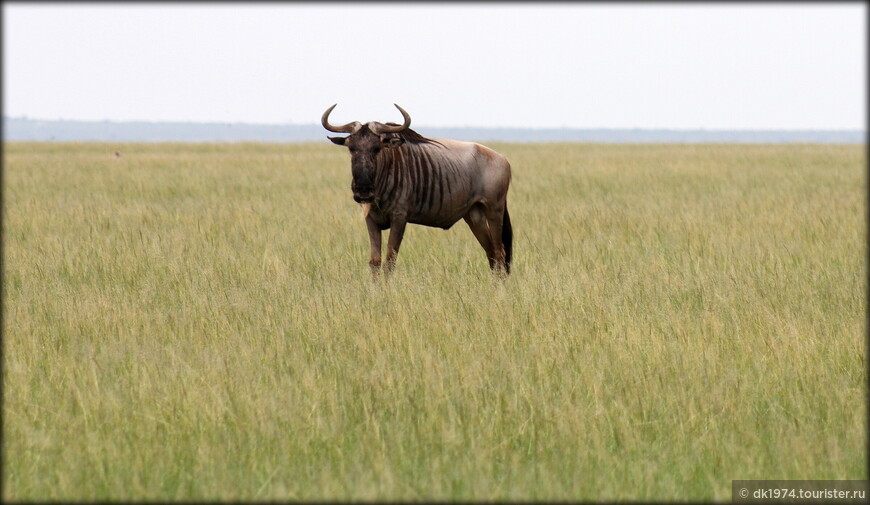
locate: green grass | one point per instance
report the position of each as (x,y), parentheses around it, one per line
(198,322)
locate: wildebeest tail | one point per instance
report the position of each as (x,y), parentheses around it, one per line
(507,237)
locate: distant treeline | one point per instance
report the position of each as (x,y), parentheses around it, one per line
(25,129)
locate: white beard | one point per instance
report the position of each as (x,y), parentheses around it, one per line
(365,207)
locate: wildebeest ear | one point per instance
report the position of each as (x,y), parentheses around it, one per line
(337,140)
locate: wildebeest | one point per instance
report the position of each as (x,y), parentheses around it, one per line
(401,177)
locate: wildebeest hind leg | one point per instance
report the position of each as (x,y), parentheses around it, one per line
(495,223)
(477,222)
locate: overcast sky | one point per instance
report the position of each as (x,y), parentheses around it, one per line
(584,65)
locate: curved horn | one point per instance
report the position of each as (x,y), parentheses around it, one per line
(351,127)
(382,128)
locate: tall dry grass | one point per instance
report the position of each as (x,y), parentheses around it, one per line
(197,322)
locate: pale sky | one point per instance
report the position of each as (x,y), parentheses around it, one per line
(582,65)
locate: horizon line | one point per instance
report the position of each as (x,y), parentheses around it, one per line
(294,124)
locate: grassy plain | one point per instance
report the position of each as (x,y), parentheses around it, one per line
(198,322)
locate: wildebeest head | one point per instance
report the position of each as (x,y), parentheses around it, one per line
(364,143)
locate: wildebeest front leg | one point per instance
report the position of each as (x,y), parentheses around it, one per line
(375,239)
(397,231)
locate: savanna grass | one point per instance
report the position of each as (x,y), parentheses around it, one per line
(198,322)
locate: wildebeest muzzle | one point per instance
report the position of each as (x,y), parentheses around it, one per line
(363,194)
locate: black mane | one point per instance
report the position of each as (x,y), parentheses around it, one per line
(410,136)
